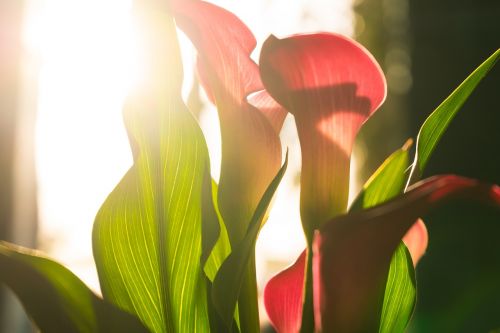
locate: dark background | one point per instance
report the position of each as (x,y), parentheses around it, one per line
(459,277)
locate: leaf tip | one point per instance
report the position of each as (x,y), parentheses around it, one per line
(407,145)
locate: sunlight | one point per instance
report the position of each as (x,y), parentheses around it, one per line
(87,66)
(88,63)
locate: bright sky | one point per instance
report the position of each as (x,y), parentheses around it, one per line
(87,64)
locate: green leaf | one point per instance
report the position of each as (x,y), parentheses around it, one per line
(216,248)
(56,299)
(386,183)
(222,248)
(147,236)
(400,292)
(434,127)
(229,279)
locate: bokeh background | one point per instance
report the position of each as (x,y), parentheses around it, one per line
(66,67)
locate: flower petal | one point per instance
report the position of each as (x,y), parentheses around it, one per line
(352,252)
(331,85)
(416,240)
(283,297)
(273,111)
(251,149)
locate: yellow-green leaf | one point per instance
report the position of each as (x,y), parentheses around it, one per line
(147,236)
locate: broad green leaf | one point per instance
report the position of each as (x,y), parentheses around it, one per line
(229,279)
(147,236)
(56,299)
(434,127)
(386,183)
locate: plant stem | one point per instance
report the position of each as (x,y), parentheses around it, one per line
(307,325)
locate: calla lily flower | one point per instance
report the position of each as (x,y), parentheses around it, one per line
(250,120)
(352,253)
(331,85)
(347,288)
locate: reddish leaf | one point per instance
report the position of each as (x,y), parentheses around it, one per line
(331,84)
(283,297)
(352,252)
(251,149)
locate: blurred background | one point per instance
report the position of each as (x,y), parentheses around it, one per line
(66,67)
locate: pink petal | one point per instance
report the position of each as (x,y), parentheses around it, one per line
(224,44)
(273,111)
(283,297)
(251,149)
(331,84)
(416,240)
(353,252)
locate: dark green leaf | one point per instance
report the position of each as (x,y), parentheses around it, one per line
(56,299)
(436,124)
(229,279)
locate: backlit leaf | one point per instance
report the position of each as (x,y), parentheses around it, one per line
(387,181)
(400,292)
(147,236)
(229,279)
(436,124)
(56,300)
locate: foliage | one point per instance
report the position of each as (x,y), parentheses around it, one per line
(175,251)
